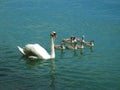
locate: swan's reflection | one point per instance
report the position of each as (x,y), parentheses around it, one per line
(75,53)
(91,49)
(31,63)
(81,51)
(52,74)
(62,53)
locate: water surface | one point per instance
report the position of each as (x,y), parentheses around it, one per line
(31,21)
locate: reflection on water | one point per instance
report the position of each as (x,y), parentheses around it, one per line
(75,53)
(62,53)
(52,74)
(33,63)
(30,21)
(91,49)
(81,51)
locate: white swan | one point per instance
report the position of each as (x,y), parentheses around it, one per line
(36,51)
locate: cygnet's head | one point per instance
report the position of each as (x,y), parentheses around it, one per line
(73,39)
(92,42)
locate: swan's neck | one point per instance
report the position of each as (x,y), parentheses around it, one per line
(92,44)
(52,47)
(75,45)
(82,46)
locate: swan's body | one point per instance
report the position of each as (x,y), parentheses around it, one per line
(81,40)
(89,44)
(80,46)
(75,46)
(70,40)
(66,40)
(72,47)
(60,47)
(38,52)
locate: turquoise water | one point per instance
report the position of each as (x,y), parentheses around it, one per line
(31,21)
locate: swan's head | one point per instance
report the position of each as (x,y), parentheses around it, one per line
(73,39)
(92,42)
(63,45)
(53,34)
(83,38)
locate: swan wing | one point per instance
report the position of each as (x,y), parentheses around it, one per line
(21,50)
(37,50)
